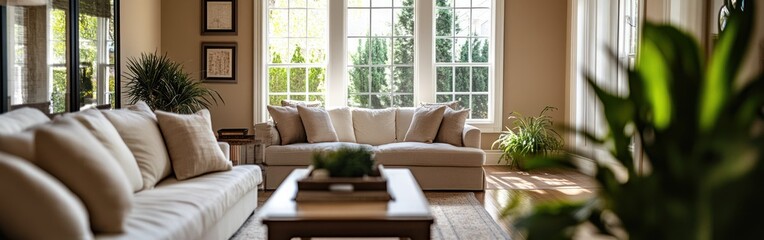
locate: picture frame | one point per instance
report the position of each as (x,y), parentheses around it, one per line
(219,62)
(219,17)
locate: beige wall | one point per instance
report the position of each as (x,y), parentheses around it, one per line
(535,47)
(140,31)
(534,69)
(182,39)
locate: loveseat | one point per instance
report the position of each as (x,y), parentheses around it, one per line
(436,166)
(212,205)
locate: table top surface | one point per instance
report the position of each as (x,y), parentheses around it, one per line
(409,203)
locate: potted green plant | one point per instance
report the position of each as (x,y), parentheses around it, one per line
(531,136)
(345,162)
(163,85)
(700,127)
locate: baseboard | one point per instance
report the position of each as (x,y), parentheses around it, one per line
(492,157)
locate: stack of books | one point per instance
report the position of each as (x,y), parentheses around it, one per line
(234,133)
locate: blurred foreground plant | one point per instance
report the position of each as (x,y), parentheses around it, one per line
(701,134)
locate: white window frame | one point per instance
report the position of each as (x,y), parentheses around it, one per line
(424,67)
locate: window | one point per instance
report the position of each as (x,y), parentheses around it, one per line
(380,52)
(296,54)
(462,31)
(384,53)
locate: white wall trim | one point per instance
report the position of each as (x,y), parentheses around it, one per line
(258,85)
(492,157)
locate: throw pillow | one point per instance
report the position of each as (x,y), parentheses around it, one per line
(374,126)
(452,104)
(20,119)
(425,124)
(318,125)
(144,139)
(143,108)
(294,103)
(105,132)
(19,144)
(32,197)
(452,126)
(192,145)
(342,120)
(68,151)
(289,124)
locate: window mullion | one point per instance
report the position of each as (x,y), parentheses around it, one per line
(424,84)
(336,87)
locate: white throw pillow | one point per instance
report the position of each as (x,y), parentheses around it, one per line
(32,198)
(68,151)
(425,124)
(374,126)
(105,132)
(318,125)
(144,139)
(192,145)
(20,119)
(342,120)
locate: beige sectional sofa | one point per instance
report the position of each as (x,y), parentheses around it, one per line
(436,166)
(210,206)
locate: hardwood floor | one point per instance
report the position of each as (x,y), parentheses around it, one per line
(503,184)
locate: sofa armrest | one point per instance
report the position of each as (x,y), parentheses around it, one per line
(471,136)
(267,134)
(226,149)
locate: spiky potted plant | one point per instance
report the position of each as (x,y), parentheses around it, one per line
(163,85)
(701,131)
(530,136)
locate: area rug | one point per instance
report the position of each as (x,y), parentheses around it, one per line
(458,215)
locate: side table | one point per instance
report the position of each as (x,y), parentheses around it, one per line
(237,145)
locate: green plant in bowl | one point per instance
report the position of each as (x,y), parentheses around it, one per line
(346,162)
(163,85)
(700,127)
(531,136)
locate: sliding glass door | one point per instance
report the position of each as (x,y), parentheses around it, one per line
(60,55)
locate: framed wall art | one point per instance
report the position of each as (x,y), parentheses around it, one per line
(219,17)
(219,62)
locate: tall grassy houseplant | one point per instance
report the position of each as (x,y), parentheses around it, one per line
(701,131)
(162,84)
(531,136)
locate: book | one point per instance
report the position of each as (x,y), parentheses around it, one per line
(335,196)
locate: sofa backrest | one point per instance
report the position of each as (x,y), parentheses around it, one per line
(17,120)
(403,117)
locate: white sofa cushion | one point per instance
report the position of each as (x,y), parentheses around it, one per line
(403,118)
(20,144)
(374,126)
(300,154)
(428,154)
(141,133)
(342,121)
(186,209)
(191,143)
(105,132)
(425,124)
(20,119)
(32,197)
(68,151)
(318,124)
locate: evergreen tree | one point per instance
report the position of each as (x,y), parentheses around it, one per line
(403,77)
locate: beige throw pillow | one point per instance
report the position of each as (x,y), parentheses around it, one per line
(294,103)
(318,125)
(19,144)
(68,151)
(451,104)
(374,126)
(342,120)
(105,132)
(144,139)
(20,119)
(37,206)
(452,126)
(192,145)
(425,124)
(289,124)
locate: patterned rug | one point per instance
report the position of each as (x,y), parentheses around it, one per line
(458,215)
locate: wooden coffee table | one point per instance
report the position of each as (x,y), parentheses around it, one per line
(407,215)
